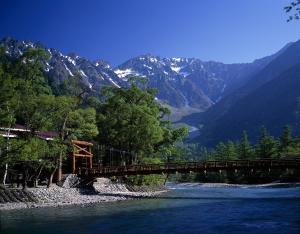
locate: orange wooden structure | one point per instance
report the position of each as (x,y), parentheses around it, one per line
(82,149)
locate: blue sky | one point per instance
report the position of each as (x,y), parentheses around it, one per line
(116,30)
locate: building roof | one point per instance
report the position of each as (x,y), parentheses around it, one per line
(17,129)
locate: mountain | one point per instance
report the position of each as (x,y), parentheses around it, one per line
(186,84)
(189,82)
(269,98)
(60,67)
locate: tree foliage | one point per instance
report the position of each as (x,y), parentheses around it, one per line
(267,145)
(131,119)
(27,98)
(245,149)
(293,10)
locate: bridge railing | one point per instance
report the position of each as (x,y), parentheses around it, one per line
(186,166)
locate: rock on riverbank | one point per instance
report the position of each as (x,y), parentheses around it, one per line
(103,190)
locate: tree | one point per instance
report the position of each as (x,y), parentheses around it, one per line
(293,10)
(63,115)
(71,122)
(130,119)
(245,150)
(266,146)
(219,152)
(26,98)
(22,92)
(206,154)
(286,138)
(31,157)
(9,102)
(225,151)
(30,69)
(292,150)
(55,149)
(231,152)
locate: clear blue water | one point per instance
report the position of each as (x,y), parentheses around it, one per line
(185,209)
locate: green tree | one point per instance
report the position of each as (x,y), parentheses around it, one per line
(286,138)
(204,153)
(56,148)
(30,69)
(225,151)
(31,155)
(9,102)
(292,150)
(131,119)
(266,146)
(26,97)
(71,122)
(245,150)
(219,151)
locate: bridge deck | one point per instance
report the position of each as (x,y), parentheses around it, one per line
(185,167)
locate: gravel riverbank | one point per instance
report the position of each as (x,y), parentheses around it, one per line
(102,191)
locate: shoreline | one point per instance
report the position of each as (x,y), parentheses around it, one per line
(86,200)
(102,191)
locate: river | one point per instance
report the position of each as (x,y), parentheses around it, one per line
(187,208)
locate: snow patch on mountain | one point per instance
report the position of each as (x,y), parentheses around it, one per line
(114,83)
(71,74)
(124,73)
(153,60)
(82,73)
(71,60)
(176,69)
(176,59)
(146,66)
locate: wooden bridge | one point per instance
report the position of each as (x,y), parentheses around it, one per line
(186,167)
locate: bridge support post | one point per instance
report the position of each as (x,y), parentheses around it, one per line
(73,164)
(91,162)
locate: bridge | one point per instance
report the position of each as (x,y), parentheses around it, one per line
(187,167)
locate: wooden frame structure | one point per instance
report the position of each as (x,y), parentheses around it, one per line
(82,149)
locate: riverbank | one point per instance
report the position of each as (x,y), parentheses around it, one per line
(102,191)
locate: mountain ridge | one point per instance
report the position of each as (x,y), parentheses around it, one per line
(183,82)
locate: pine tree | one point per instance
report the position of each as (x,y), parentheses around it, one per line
(245,150)
(286,138)
(266,146)
(231,152)
(220,151)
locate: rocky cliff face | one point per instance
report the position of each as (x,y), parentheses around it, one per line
(190,82)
